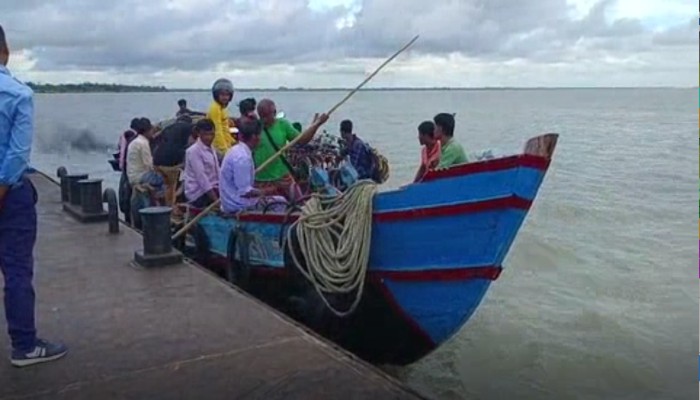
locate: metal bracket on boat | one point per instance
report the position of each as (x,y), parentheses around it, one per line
(157,244)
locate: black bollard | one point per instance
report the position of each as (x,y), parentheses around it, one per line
(110,197)
(74,189)
(60,173)
(157,244)
(91,196)
(86,206)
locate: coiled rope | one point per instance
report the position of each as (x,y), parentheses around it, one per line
(334,235)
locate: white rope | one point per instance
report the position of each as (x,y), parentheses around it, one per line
(333,234)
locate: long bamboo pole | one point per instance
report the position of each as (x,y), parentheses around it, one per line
(293,142)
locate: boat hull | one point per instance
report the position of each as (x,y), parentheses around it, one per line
(436,247)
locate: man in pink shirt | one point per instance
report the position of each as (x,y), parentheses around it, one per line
(202,167)
(124,141)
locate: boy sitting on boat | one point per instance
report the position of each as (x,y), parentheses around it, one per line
(430,152)
(357,151)
(202,167)
(452,152)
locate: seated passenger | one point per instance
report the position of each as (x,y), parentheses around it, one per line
(452,152)
(238,176)
(202,167)
(430,153)
(357,151)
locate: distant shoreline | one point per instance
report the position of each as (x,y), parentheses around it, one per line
(114,88)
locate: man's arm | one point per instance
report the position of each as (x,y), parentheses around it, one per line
(16,159)
(419,173)
(309,133)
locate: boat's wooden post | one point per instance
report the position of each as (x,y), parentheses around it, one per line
(157,245)
(110,197)
(542,146)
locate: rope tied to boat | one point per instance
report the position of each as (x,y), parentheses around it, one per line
(333,235)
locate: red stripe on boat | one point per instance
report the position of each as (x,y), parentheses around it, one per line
(435,211)
(491,272)
(452,209)
(523,160)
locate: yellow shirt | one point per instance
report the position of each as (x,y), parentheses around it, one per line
(223,140)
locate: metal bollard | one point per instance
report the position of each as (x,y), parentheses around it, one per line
(73,188)
(110,197)
(91,196)
(157,245)
(85,198)
(60,173)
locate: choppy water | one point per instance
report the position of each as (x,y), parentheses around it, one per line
(598,299)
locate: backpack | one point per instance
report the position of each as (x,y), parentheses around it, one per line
(380,165)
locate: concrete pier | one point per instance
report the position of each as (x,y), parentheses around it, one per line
(175,332)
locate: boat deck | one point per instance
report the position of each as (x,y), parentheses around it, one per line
(174,332)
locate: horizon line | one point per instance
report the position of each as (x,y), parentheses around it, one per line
(162,88)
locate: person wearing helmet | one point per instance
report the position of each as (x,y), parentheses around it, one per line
(222,92)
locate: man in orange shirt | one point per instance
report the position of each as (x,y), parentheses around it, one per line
(222,91)
(430,153)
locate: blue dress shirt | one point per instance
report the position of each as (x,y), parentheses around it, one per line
(16,128)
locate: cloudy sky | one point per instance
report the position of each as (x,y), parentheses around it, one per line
(332,43)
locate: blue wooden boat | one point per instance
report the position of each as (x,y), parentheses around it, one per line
(436,247)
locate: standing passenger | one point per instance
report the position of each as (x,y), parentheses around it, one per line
(18,199)
(222,92)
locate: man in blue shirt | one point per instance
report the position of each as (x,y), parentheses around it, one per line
(18,218)
(357,151)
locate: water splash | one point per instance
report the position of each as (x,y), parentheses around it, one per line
(70,139)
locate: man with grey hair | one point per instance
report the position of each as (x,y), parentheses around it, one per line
(18,223)
(277,132)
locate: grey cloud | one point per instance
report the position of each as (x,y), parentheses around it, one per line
(136,36)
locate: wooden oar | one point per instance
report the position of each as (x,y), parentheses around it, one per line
(293,142)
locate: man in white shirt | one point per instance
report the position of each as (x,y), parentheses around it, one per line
(139,159)
(238,176)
